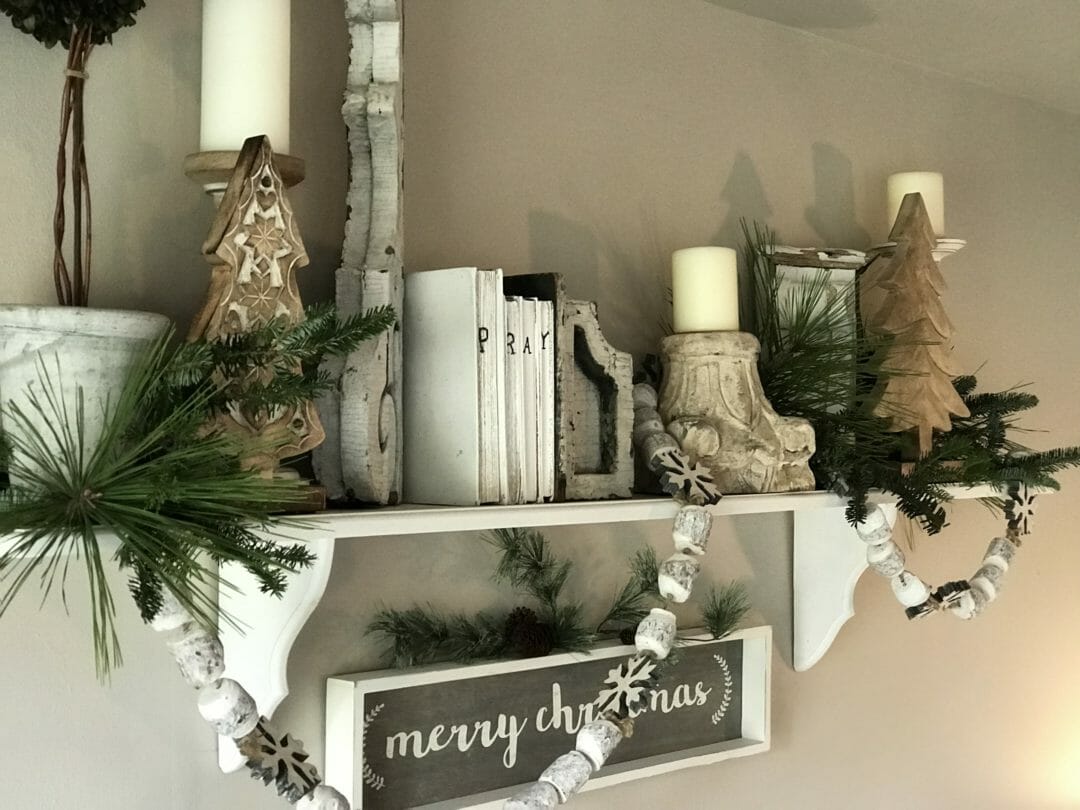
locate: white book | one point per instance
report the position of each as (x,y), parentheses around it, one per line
(492,372)
(530,356)
(547,401)
(441,387)
(514,403)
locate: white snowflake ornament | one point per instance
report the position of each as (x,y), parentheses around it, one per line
(281,759)
(626,686)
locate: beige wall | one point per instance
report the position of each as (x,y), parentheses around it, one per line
(593,137)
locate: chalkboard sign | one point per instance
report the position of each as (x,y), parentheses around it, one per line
(466,736)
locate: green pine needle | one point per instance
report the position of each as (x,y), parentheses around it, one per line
(725,608)
(814,365)
(637,596)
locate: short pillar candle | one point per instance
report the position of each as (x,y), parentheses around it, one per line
(705,290)
(245,73)
(930,185)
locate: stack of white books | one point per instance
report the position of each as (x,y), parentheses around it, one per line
(479,390)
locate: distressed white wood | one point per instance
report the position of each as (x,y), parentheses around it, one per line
(362,456)
(257,652)
(828,559)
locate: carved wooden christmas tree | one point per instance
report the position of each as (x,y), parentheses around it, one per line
(255,248)
(900,296)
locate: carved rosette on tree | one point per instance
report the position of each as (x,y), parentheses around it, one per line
(900,297)
(713,404)
(255,248)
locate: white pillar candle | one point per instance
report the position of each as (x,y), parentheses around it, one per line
(245,73)
(705,290)
(932,187)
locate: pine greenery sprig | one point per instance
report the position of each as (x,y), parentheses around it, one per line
(292,356)
(422,635)
(725,608)
(815,365)
(175,497)
(527,564)
(640,592)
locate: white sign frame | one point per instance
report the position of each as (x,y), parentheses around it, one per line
(345,710)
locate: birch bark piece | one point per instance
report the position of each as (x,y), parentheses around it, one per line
(228,708)
(323,797)
(597,740)
(886,559)
(364,456)
(537,796)
(676,578)
(690,533)
(656,633)
(198,653)
(568,774)
(172,614)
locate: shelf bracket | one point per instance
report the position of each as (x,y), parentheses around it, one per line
(828,559)
(257,654)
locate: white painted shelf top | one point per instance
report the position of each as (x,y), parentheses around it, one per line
(419,519)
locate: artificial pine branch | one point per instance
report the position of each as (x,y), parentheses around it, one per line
(634,600)
(815,366)
(422,635)
(725,608)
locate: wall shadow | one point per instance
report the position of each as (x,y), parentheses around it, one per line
(832,215)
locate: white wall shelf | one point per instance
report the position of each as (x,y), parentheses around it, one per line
(828,560)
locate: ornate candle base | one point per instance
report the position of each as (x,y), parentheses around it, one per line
(213,170)
(713,404)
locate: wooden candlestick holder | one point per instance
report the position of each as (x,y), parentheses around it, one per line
(712,402)
(213,170)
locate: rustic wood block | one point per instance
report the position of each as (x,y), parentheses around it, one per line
(364,457)
(596,409)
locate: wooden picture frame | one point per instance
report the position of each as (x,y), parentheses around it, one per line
(702,694)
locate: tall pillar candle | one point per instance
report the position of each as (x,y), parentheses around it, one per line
(705,290)
(245,73)
(932,187)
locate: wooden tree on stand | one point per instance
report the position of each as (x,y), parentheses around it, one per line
(255,249)
(900,297)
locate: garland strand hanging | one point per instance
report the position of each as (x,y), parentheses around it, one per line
(963,598)
(629,686)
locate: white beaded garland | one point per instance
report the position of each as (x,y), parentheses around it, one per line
(198,653)
(1000,552)
(656,633)
(172,614)
(886,559)
(909,589)
(228,708)
(597,740)
(876,529)
(677,575)
(656,443)
(568,774)
(323,797)
(647,424)
(644,396)
(988,579)
(693,525)
(537,796)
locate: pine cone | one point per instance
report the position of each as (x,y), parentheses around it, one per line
(533,640)
(519,616)
(626,635)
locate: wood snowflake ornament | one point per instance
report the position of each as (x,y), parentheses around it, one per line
(684,480)
(626,686)
(1019,508)
(280,758)
(900,298)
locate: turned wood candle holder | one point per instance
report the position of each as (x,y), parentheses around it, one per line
(213,170)
(712,403)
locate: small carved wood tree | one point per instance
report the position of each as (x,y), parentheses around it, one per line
(255,249)
(900,296)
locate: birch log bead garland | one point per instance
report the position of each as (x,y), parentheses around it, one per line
(228,708)
(964,599)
